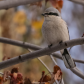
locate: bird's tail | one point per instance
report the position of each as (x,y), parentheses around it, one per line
(68,61)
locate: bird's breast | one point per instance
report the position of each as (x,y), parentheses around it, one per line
(54,30)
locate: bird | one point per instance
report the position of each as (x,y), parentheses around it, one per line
(54,31)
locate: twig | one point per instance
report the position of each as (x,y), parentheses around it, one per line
(53,59)
(5,4)
(59,56)
(78,1)
(43,63)
(55,64)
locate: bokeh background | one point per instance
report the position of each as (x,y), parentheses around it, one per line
(24,23)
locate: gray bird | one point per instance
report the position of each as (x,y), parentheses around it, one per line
(54,31)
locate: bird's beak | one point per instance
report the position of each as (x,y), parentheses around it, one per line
(43,14)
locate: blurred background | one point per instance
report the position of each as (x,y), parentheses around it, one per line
(24,23)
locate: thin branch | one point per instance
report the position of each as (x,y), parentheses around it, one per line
(59,56)
(77,72)
(53,59)
(41,52)
(56,64)
(5,4)
(32,46)
(19,43)
(46,65)
(43,63)
(78,1)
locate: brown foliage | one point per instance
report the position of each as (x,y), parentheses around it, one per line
(27,81)
(58,4)
(56,68)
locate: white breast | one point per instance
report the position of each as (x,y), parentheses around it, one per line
(54,30)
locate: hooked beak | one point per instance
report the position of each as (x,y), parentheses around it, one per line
(43,14)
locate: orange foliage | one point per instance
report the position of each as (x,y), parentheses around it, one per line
(19,17)
(56,68)
(1,80)
(17,78)
(58,4)
(37,24)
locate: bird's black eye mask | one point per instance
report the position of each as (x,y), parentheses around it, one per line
(50,14)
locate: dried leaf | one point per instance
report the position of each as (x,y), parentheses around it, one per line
(57,73)
(46,78)
(1,80)
(58,4)
(14,70)
(16,77)
(27,81)
(56,68)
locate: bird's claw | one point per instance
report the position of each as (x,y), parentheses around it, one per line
(49,46)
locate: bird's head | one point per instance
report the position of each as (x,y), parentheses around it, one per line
(51,11)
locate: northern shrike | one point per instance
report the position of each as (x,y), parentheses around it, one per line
(54,30)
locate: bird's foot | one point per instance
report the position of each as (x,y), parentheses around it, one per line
(60,42)
(49,46)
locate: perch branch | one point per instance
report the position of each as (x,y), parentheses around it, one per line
(5,4)
(31,46)
(41,52)
(78,1)
(59,56)
(77,72)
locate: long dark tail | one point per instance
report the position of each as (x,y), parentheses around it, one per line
(68,61)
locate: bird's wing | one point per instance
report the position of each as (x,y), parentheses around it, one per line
(68,33)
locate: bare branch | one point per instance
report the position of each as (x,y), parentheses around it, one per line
(78,1)
(19,43)
(59,56)
(53,59)
(31,46)
(46,65)
(77,72)
(43,63)
(74,70)
(38,53)
(5,4)
(56,64)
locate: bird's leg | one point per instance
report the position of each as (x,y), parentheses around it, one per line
(49,46)
(60,42)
